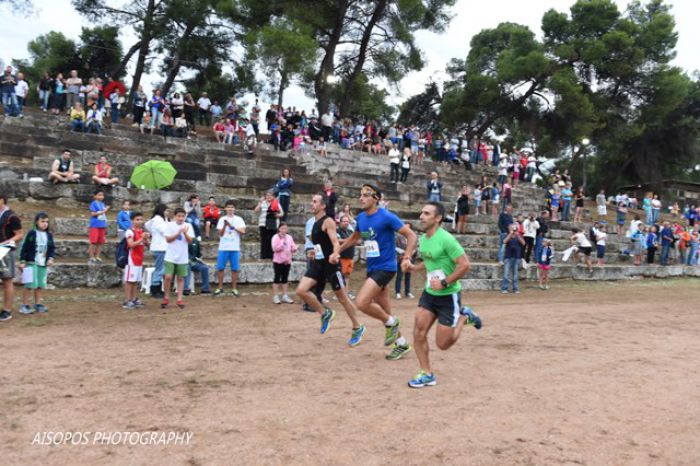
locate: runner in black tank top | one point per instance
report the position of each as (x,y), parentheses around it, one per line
(325,264)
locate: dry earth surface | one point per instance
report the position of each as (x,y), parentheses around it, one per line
(603,373)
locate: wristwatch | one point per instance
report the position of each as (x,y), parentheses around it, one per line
(444,283)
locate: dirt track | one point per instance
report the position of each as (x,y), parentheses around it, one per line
(597,374)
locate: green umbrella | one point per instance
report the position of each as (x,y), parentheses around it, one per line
(154,174)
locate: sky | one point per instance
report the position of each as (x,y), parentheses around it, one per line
(469,17)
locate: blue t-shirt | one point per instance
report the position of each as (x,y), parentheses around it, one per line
(124,220)
(666,233)
(514,250)
(380,227)
(99,221)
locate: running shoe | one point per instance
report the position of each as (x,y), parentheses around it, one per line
(422,380)
(129,305)
(5,315)
(138,303)
(165,303)
(357,334)
(398,352)
(471,317)
(398,295)
(41,308)
(217,292)
(276,299)
(410,296)
(236,293)
(326,318)
(25,309)
(392,333)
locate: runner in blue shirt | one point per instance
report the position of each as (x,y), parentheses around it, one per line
(378,227)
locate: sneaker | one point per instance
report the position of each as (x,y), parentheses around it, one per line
(398,351)
(204,292)
(392,333)
(422,380)
(398,295)
(236,293)
(165,303)
(138,303)
(130,305)
(516,291)
(287,300)
(181,304)
(326,318)
(98,260)
(472,317)
(504,291)
(25,309)
(356,337)
(217,292)
(41,308)
(186,292)
(5,315)
(276,299)
(410,296)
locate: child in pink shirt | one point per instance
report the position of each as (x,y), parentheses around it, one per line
(283,247)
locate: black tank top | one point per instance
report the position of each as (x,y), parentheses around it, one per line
(63,165)
(318,236)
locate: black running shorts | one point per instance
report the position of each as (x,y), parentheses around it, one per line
(447,308)
(320,270)
(381,277)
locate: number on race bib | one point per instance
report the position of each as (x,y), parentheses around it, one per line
(372,248)
(438,273)
(319,252)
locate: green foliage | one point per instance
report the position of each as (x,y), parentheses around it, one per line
(52,52)
(421,109)
(101,51)
(371,102)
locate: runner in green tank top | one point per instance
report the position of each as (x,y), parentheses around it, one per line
(445,263)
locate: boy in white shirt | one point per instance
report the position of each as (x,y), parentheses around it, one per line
(584,246)
(178,235)
(21,91)
(230,228)
(600,238)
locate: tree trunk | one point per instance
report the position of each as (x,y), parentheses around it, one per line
(143,51)
(284,82)
(175,63)
(362,56)
(327,64)
(125,61)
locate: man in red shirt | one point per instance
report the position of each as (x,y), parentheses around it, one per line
(211,214)
(136,238)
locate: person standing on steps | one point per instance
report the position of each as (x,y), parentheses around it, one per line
(434,188)
(445,263)
(156,227)
(284,192)
(326,267)
(378,228)
(11,234)
(505,219)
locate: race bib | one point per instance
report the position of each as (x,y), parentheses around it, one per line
(319,252)
(372,248)
(438,273)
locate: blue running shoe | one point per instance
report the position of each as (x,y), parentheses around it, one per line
(356,337)
(326,318)
(471,317)
(422,380)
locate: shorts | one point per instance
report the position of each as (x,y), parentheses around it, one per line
(133,273)
(544,266)
(7,265)
(586,251)
(178,270)
(281,273)
(98,235)
(347,265)
(320,270)
(445,307)
(600,251)
(602,210)
(225,257)
(34,277)
(381,277)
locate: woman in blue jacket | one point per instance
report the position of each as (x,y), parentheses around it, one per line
(284,192)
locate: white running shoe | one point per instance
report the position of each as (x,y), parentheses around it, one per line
(398,295)
(276,299)
(286,299)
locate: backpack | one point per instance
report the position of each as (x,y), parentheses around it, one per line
(121,255)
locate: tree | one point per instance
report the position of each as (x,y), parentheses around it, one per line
(52,52)
(24,7)
(101,51)
(422,109)
(286,53)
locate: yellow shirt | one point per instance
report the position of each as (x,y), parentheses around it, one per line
(77,115)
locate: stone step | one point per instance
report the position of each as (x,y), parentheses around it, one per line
(105,275)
